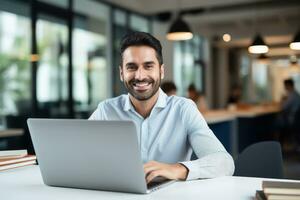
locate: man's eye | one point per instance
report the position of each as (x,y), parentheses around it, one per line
(149,66)
(131,67)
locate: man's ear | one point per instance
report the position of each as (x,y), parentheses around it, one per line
(162,71)
(121,73)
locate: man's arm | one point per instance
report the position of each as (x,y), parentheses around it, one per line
(213,160)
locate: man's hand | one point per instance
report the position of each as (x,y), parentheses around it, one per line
(176,171)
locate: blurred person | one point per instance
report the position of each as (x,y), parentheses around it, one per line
(233,101)
(290,105)
(290,102)
(169,88)
(198,98)
(234,95)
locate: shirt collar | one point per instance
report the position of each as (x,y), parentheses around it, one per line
(160,103)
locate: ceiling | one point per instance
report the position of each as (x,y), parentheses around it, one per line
(240,18)
(214,17)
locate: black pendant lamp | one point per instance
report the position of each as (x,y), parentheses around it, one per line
(179,30)
(258,46)
(295,44)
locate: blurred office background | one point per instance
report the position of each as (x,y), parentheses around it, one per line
(59,58)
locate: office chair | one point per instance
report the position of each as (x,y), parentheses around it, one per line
(262,159)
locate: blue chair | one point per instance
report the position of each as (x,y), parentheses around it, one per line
(262,159)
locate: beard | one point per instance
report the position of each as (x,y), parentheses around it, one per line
(143,95)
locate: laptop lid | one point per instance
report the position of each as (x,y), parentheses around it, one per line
(101,155)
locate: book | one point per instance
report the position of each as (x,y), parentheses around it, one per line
(12,154)
(279,187)
(260,195)
(282,197)
(8,161)
(15,165)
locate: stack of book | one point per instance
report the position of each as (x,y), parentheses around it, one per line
(15,158)
(279,190)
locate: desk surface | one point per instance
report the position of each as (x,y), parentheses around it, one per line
(222,115)
(26,183)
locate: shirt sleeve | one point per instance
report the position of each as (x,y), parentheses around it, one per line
(213,159)
(99,113)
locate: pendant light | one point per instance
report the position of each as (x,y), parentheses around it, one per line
(295,44)
(179,30)
(258,46)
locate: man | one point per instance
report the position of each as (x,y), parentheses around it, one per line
(169,128)
(290,103)
(198,98)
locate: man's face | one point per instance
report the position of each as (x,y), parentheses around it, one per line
(141,72)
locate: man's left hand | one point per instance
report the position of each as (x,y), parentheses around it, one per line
(154,169)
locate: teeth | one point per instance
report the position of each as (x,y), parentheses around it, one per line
(141,84)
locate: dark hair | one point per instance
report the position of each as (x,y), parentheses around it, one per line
(289,82)
(139,39)
(192,87)
(168,86)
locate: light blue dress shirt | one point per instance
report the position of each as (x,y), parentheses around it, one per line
(173,130)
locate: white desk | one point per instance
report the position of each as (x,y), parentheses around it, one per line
(26,184)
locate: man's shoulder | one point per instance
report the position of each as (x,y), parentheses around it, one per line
(113,102)
(180,101)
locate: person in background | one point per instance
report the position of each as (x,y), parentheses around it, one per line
(233,101)
(169,88)
(290,105)
(235,95)
(198,98)
(169,128)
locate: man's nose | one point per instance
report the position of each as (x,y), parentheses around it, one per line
(140,74)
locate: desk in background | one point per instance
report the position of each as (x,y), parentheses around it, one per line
(26,183)
(223,124)
(238,129)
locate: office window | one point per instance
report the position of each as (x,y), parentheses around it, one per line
(91,77)
(52,73)
(256,80)
(14,57)
(138,23)
(120,28)
(261,82)
(245,77)
(188,67)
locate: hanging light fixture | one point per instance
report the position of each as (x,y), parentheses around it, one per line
(295,44)
(258,46)
(179,30)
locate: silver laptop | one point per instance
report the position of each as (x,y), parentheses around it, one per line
(99,155)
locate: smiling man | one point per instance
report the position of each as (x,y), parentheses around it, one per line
(169,128)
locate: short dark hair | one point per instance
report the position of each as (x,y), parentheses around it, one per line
(168,86)
(137,38)
(289,82)
(192,87)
